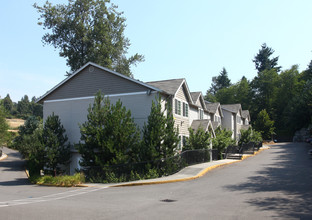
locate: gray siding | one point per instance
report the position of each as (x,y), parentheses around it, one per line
(86,83)
(74,112)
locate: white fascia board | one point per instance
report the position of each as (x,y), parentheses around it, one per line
(187,89)
(92,97)
(220,109)
(210,125)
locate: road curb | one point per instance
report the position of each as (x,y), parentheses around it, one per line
(200,174)
(4,156)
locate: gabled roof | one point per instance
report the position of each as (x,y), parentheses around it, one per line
(245,114)
(102,68)
(204,124)
(213,107)
(172,86)
(234,108)
(215,125)
(245,127)
(196,96)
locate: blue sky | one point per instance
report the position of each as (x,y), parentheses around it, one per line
(179,39)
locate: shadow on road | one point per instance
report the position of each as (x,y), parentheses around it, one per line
(16,182)
(287,183)
(12,169)
(12,165)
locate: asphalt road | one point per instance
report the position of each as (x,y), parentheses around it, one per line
(275,184)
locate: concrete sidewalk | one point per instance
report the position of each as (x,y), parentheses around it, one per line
(188,173)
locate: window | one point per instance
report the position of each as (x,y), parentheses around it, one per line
(180,144)
(217,119)
(201,114)
(177,105)
(238,120)
(185,109)
(184,140)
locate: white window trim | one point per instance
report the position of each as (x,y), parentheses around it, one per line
(181,106)
(187,107)
(200,113)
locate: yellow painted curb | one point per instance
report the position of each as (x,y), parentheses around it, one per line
(27,173)
(255,153)
(4,157)
(202,173)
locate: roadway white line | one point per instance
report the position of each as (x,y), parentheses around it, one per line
(47,198)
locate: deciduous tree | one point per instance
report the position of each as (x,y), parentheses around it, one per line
(264,125)
(88,30)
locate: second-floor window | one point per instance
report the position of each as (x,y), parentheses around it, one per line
(177,105)
(201,113)
(238,119)
(185,109)
(217,119)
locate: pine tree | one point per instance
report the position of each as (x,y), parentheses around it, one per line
(3,127)
(55,143)
(263,61)
(8,104)
(160,137)
(109,136)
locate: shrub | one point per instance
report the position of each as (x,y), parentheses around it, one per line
(222,140)
(249,135)
(198,139)
(67,181)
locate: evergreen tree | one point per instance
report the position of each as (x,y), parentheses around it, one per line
(36,108)
(263,61)
(8,104)
(24,107)
(55,142)
(154,133)
(220,82)
(160,137)
(3,127)
(34,151)
(109,136)
(171,138)
(30,125)
(307,74)
(88,30)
